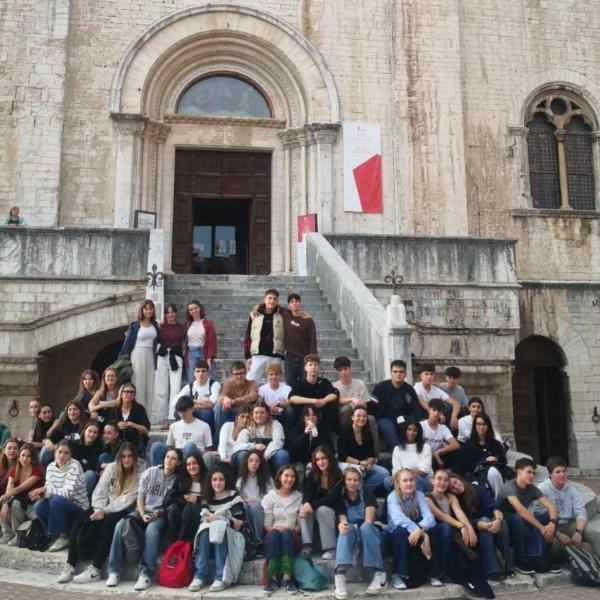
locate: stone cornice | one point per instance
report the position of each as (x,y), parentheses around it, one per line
(140,126)
(313,133)
(227,121)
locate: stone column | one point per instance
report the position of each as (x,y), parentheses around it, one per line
(130,130)
(398,333)
(325,136)
(520,155)
(562,169)
(155,135)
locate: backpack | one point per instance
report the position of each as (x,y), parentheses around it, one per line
(176,569)
(34,538)
(585,566)
(418,567)
(123,368)
(133,538)
(309,576)
(87,536)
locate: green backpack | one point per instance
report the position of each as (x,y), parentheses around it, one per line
(309,576)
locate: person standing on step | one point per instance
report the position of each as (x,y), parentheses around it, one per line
(141,342)
(169,364)
(300,338)
(201,338)
(265,334)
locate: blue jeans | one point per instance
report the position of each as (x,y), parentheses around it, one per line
(203,556)
(487,546)
(441,543)
(279,543)
(46,456)
(375,477)
(369,538)
(277,460)
(91,479)
(399,540)
(423,484)
(194,353)
(57,514)
(151,542)
(523,535)
(158,451)
(221,416)
(388,430)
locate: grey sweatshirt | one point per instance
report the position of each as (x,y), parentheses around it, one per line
(154,488)
(105,496)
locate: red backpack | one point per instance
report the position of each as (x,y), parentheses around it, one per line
(176,569)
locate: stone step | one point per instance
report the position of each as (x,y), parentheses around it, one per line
(252,573)
(335,338)
(270,280)
(229,310)
(233,351)
(255,293)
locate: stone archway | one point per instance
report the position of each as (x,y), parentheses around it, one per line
(262,48)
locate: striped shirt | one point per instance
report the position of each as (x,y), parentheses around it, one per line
(67,481)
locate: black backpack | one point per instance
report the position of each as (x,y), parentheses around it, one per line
(133,536)
(34,538)
(87,536)
(585,566)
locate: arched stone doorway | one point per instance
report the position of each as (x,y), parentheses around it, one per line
(541,404)
(298,133)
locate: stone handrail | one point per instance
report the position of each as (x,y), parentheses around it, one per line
(363,317)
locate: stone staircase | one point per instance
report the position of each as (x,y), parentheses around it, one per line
(227,300)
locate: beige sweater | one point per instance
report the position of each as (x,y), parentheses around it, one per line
(282,510)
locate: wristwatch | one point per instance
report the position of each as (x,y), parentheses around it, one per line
(555,521)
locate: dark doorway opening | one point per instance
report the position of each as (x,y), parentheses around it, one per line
(221,236)
(227,193)
(106,357)
(541,406)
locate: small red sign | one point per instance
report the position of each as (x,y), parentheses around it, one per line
(306,224)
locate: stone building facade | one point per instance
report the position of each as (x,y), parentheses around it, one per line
(91,133)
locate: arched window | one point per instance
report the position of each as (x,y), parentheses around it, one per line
(223,96)
(559,145)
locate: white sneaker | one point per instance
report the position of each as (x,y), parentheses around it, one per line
(113,580)
(328,555)
(60,543)
(6,538)
(196,584)
(143,583)
(217,586)
(378,582)
(88,576)
(398,583)
(66,574)
(435,582)
(14,541)
(340,586)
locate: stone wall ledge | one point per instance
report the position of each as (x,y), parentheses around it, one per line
(74,278)
(446,284)
(565,283)
(554,212)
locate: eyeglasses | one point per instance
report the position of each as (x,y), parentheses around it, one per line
(129,391)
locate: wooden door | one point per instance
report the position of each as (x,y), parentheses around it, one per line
(526,434)
(223,175)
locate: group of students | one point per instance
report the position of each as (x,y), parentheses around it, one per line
(447,481)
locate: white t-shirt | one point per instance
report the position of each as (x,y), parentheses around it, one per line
(465,426)
(196,334)
(145,337)
(409,458)
(273,397)
(181,433)
(356,389)
(433,392)
(436,438)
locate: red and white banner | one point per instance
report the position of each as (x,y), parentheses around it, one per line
(362,167)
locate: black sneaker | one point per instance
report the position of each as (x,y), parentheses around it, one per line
(524,569)
(288,586)
(511,574)
(271,585)
(496,576)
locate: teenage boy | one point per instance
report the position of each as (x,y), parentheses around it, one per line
(317,392)
(353,392)
(426,392)
(454,389)
(445,450)
(465,424)
(395,401)
(264,340)
(237,391)
(188,434)
(204,392)
(275,394)
(300,338)
(514,498)
(572,516)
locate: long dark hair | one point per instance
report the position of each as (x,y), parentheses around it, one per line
(140,314)
(4,464)
(185,479)
(468,500)
(82,418)
(262,474)
(490,435)
(35,461)
(334,474)
(402,434)
(208,494)
(82,390)
(197,303)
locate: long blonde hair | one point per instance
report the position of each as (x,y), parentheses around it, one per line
(415,513)
(125,481)
(101,391)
